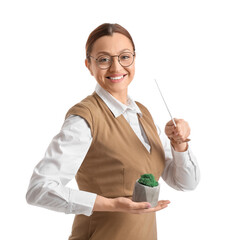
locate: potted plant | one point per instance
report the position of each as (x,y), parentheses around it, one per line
(146,189)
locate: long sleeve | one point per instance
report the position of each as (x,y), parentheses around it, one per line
(60,164)
(181,168)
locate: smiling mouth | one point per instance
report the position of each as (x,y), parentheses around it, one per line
(117,78)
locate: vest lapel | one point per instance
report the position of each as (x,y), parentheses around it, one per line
(128,125)
(144,125)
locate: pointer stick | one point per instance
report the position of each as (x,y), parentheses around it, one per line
(186,140)
(165,104)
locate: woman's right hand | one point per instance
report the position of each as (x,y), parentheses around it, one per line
(122,204)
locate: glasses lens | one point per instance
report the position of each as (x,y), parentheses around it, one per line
(104,61)
(126,59)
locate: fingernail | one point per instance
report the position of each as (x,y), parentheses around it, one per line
(148,205)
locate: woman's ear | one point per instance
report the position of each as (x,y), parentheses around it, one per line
(88,65)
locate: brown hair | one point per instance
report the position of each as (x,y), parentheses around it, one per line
(106,29)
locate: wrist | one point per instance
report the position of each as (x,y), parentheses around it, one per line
(103,204)
(179,147)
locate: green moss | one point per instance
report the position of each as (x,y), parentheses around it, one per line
(148,180)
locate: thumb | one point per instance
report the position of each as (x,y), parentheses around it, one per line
(140,205)
(170,123)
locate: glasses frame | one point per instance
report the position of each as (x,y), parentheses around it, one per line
(111,57)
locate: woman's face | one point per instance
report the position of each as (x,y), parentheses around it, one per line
(116,78)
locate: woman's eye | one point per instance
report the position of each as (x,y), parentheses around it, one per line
(125,57)
(103,59)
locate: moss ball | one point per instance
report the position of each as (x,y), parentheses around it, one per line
(148,180)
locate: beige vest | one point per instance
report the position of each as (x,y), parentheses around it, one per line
(115,160)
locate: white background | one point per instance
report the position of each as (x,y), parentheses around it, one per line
(42,50)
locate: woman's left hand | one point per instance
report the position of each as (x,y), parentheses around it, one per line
(178,135)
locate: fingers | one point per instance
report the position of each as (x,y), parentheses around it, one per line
(170,123)
(122,204)
(179,133)
(169,130)
(140,205)
(161,205)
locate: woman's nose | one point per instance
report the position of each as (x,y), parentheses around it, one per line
(115,66)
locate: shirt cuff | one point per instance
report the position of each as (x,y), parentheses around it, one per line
(182,159)
(81,202)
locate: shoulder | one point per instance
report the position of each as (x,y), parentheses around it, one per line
(85,106)
(87,109)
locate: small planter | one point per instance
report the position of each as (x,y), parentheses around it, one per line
(145,193)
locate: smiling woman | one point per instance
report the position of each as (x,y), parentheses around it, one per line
(112,64)
(107,142)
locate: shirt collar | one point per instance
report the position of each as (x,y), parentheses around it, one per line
(115,106)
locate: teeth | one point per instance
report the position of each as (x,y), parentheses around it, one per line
(116,78)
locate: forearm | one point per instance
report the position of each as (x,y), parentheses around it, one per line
(56,197)
(181,170)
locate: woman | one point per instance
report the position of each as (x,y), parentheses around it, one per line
(108,141)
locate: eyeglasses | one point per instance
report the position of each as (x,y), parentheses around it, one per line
(105,61)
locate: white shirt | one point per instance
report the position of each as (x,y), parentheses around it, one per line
(68,149)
